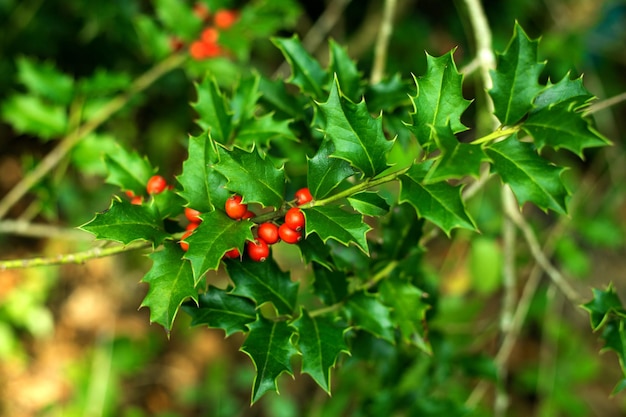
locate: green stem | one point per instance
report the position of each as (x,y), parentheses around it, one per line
(498,133)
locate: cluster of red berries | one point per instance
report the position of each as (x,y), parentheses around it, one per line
(267,233)
(155,185)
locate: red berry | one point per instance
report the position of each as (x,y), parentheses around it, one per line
(137,200)
(192,215)
(192,226)
(288,235)
(248,215)
(294,218)
(303,196)
(201,10)
(232,254)
(234,209)
(257,250)
(210,35)
(268,232)
(129,193)
(184,245)
(156,184)
(224,19)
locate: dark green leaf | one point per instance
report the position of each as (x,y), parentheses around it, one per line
(320,342)
(218,308)
(168,203)
(619,387)
(515,80)
(530,177)
(264,282)
(346,71)
(306,72)
(252,176)
(43,79)
(313,249)
(104,82)
(357,136)
(325,173)
(245,97)
(439,100)
(566,90)
(171,282)
(213,110)
(331,222)
(275,94)
(269,346)
(330,286)
(389,94)
(260,130)
(124,222)
(367,312)
(128,170)
(369,203)
(30,114)
(440,203)
(603,304)
(216,235)
(178,18)
(203,186)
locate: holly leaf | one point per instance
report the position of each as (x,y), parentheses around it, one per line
(244,99)
(216,235)
(218,308)
(358,138)
(43,79)
(369,203)
(261,130)
(168,204)
(388,94)
(306,72)
(203,186)
(252,176)
(515,80)
(264,282)
(440,203)
(32,115)
(408,311)
(531,177)
(326,173)
(331,286)
(457,159)
(269,347)
(345,70)
(274,94)
(128,170)
(332,222)
(313,249)
(213,110)
(178,18)
(125,222)
(565,91)
(367,312)
(320,342)
(439,100)
(171,282)
(603,305)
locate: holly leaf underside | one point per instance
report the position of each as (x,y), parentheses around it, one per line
(264,282)
(332,222)
(128,170)
(203,186)
(125,222)
(170,283)
(357,136)
(320,342)
(367,312)
(439,100)
(532,178)
(515,80)
(216,235)
(440,203)
(325,173)
(220,309)
(213,110)
(269,347)
(252,176)
(306,72)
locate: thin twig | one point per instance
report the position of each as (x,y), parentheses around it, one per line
(68,142)
(38,230)
(382,42)
(604,104)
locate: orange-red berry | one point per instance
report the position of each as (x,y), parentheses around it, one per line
(288,235)
(192,215)
(192,226)
(156,184)
(201,10)
(136,200)
(234,208)
(232,254)
(184,245)
(303,196)
(210,35)
(294,218)
(257,250)
(224,19)
(268,232)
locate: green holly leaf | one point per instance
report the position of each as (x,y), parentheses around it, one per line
(128,170)
(32,115)
(562,126)
(203,186)
(269,347)
(408,311)
(358,138)
(346,71)
(603,305)
(168,204)
(531,177)
(614,336)
(264,282)
(330,285)
(440,203)
(125,222)
(214,111)
(457,159)
(326,173)
(515,80)
(388,94)
(313,249)
(332,222)
(261,130)
(178,18)
(252,176)
(220,309)
(171,282)
(369,203)
(367,312)
(274,94)
(306,72)
(216,235)
(400,230)
(244,99)
(320,342)
(43,79)
(565,91)
(439,100)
